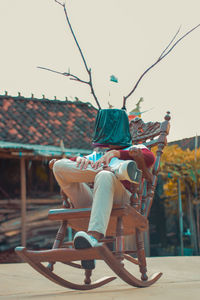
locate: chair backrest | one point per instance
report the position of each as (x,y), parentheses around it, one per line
(150,134)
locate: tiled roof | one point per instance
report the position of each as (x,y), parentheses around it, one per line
(46,122)
(41,122)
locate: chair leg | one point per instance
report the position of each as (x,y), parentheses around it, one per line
(141,254)
(58,241)
(88,274)
(119,240)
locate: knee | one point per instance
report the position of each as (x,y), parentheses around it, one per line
(60,166)
(57,166)
(105,176)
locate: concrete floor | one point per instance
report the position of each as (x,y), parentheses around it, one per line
(180,280)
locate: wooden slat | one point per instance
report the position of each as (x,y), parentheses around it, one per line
(15,223)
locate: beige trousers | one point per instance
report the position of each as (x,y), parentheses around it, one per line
(108,190)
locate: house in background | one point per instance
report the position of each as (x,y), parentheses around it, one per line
(41,127)
(32,132)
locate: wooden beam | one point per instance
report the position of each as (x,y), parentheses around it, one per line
(23,200)
(16,155)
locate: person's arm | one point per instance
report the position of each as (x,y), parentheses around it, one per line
(144,159)
(106,158)
(82,162)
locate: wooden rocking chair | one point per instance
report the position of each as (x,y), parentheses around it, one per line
(128,220)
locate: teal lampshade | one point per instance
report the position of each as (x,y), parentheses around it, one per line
(112,128)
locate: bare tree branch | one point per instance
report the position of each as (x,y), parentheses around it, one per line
(82,56)
(74,77)
(170,42)
(163,55)
(59,3)
(81,53)
(181,38)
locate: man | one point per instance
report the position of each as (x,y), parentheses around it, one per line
(111,172)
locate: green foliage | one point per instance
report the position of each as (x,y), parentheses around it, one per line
(182,164)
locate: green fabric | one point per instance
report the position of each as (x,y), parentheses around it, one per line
(112,128)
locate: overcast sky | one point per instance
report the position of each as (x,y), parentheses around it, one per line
(119,37)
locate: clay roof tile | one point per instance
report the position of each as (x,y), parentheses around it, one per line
(46,122)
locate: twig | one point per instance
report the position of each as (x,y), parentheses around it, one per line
(59,3)
(82,56)
(74,77)
(81,53)
(187,33)
(170,43)
(163,55)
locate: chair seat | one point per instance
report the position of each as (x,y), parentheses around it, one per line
(78,219)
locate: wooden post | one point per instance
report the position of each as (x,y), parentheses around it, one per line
(180,210)
(30,177)
(23,200)
(51,182)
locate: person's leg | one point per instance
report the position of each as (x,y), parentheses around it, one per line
(128,170)
(72,181)
(108,190)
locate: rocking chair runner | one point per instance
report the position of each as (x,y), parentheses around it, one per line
(131,219)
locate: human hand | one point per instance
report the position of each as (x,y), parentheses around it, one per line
(83,162)
(105,159)
(136,153)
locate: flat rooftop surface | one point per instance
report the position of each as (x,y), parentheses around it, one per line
(180,280)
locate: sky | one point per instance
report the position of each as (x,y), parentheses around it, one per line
(117,37)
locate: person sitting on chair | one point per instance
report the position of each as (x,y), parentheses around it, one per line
(112,169)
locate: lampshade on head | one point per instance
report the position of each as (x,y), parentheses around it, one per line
(112,128)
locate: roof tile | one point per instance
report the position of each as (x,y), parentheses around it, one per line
(12,131)
(46,122)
